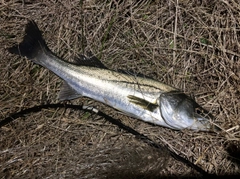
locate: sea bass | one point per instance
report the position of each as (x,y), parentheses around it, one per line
(136,96)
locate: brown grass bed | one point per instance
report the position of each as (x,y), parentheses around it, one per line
(192,45)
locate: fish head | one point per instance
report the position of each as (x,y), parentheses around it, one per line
(180,111)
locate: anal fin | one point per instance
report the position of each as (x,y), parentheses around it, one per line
(67,93)
(142,103)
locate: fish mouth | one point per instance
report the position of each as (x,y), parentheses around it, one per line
(180,111)
(205,118)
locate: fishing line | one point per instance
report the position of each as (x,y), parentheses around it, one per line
(138,135)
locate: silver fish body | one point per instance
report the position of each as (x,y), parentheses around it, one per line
(139,97)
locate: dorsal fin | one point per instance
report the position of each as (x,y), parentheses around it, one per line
(91,62)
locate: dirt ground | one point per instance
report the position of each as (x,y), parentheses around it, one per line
(191,45)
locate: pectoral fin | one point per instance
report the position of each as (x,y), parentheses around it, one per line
(67,93)
(142,103)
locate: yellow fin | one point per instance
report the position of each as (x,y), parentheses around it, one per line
(142,103)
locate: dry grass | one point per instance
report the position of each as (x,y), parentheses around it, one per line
(192,45)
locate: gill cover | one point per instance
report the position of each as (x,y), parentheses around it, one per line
(180,111)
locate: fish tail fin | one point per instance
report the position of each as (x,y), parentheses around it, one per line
(32,45)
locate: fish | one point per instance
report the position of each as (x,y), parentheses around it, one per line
(136,96)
